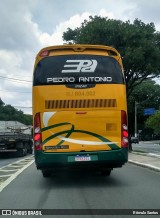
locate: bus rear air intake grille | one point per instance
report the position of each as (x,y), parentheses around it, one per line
(80,103)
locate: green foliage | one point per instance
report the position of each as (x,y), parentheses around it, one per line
(1,102)
(138,44)
(9,113)
(147,95)
(153,122)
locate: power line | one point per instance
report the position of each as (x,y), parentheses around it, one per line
(21,75)
(22,107)
(4,77)
(14,91)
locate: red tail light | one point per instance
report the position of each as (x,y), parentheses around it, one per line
(44,53)
(37,137)
(81,112)
(37,132)
(124,130)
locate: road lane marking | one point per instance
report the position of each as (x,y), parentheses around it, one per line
(7,175)
(6,170)
(6,179)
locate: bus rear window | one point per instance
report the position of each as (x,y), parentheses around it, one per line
(74,70)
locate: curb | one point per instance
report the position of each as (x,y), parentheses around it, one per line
(150,142)
(145,154)
(145,165)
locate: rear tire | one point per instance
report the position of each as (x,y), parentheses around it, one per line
(106,172)
(30,150)
(21,149)
(21,152)
(46,173)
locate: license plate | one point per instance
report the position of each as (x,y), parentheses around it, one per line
(82,158)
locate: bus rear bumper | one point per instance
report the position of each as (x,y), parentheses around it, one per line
(106,159)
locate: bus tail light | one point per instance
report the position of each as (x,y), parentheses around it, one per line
(124,130)
(81,112)
(37,132)
(44,53)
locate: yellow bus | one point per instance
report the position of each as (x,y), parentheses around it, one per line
(79,109)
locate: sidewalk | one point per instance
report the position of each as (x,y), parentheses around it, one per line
(151,142)
(147,160)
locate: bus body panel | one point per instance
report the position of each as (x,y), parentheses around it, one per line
(79,49)
(98,160)
(114,94)
(79,124)
(68,131)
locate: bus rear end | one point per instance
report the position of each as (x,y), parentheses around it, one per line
(79,109)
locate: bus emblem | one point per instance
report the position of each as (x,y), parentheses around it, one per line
(77,66)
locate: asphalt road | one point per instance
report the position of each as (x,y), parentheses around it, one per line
(9,158)
(129,187)
(148,147)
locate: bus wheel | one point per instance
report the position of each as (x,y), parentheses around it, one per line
(46,173)
(106,172)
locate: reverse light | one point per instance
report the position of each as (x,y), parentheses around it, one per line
(37,132)
(124,130)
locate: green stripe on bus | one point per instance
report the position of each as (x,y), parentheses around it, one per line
(72,130)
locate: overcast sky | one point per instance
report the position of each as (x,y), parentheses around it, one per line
(28,25)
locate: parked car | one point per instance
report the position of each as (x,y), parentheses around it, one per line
(134,140)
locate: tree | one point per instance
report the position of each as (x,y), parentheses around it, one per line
(9,113)
(153,122)
(1,102)
(147,95)
(138,44)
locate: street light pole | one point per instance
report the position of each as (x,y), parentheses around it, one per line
(135,134)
